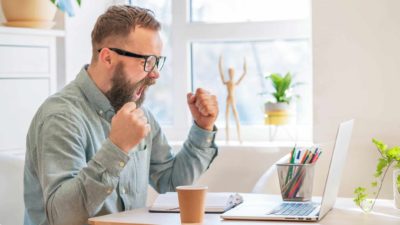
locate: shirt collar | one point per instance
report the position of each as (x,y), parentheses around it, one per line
(95,97)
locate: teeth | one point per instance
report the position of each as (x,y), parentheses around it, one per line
(139,92)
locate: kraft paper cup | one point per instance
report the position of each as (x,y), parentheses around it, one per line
(192,203)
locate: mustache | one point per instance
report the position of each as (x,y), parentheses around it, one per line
(148,81)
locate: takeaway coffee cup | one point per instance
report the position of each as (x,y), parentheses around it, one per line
(192,203)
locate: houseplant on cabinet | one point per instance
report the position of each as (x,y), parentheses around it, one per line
(278,111)
(34,13)
(388,157)
(66,6)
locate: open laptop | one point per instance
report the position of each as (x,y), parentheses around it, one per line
(303,211)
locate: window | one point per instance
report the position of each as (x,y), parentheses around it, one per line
(160,99)
(270,35)
(229,11)
(262,57)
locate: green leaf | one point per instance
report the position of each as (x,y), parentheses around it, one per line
(381,147)
(398,183)
(79,2)
(360,195)
(382,163)
(393,153)
(388,157)
(287,80)
(281,85)
(53,1)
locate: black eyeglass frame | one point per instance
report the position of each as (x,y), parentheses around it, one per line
(145,57)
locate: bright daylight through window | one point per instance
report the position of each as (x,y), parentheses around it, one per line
(273,36)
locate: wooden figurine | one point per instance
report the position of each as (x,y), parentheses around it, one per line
(230,99)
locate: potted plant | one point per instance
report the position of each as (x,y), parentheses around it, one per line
(66,6)
(388,157)
(278,111)
(34,13)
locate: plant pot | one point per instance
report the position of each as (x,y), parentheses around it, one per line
(396,188)
(277,113)
(29,13)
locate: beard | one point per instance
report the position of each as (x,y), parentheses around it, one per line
(122,91)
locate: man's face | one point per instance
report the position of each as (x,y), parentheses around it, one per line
(123,91)
(129,80)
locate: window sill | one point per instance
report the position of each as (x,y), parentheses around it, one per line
(251,145)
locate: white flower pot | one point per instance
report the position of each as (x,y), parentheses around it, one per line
(277,113)
(396,190)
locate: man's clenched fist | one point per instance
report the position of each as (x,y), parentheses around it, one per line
(204,108)
(128,127)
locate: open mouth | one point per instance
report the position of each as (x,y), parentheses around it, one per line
(139,92)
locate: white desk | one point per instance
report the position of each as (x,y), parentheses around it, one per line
(344,212)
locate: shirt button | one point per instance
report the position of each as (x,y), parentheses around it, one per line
(101,112)
(109,191)
(123,191)
(209,140)
(121,164)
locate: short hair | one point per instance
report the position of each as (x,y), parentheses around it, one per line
(117,23)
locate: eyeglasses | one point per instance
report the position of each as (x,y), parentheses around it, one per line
(151,61)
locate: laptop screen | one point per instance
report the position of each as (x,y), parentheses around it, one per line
(336,167)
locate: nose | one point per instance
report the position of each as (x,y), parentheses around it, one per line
(154,74)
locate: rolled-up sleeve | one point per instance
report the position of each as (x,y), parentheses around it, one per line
(167,171)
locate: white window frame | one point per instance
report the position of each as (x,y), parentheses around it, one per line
(184,32)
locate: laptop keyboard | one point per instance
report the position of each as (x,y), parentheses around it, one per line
(294,209)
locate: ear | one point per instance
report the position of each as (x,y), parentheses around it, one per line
(106,57)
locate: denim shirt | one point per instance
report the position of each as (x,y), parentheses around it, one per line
(73,171)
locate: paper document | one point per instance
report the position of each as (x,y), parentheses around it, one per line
(216,202)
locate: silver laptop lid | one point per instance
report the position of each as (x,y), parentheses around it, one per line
(336,167)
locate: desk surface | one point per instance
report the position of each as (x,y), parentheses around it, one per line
(344,212)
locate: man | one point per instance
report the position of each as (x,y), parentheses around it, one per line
(92,149)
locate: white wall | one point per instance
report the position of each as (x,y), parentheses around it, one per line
(238,168)
(356,47)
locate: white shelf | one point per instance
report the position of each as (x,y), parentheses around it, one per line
(32,31)
(28,73)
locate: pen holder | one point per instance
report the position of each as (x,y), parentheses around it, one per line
(296,181)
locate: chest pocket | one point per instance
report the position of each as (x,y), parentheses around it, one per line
(141,168)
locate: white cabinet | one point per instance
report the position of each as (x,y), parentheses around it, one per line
(27,78)
(24,61)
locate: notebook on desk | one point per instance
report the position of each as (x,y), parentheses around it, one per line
(216,202)
(304,211)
